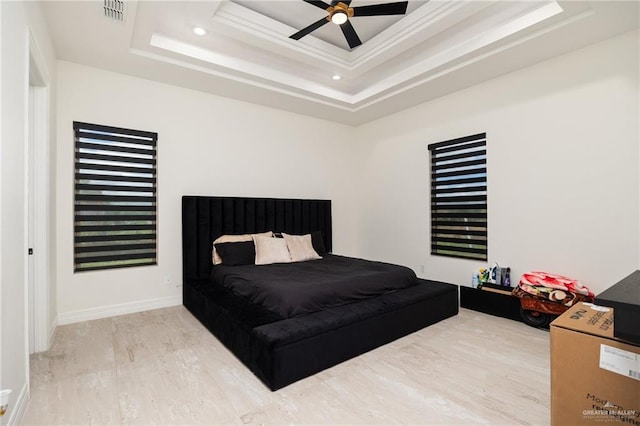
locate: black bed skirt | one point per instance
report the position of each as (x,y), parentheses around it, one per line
(282,351)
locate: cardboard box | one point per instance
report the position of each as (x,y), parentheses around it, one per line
(595,377)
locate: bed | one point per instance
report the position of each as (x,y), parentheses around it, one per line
(281,347)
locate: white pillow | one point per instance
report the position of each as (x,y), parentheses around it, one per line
(234,239)
(271,250)
(300,247)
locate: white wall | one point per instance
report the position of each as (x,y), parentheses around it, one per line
(563,170)
(17,20)
(564,180)
(207,145)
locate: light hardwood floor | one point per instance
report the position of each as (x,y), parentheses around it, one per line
(163,367)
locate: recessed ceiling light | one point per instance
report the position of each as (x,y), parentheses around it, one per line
(199,31)
(336,77)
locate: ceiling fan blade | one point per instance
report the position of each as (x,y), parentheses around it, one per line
(318,3)
(398,8)
(334,2)
(350,34)
(303,32)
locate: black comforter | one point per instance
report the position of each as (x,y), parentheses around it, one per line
(291,289)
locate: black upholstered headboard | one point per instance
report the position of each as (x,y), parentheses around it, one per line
(206,218)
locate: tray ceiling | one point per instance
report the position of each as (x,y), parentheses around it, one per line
(437,47)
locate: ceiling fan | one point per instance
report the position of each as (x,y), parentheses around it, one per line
(339,13)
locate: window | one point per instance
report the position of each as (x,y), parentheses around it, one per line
(115,197)
(459,197)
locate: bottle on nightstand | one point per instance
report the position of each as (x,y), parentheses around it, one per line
(475,279)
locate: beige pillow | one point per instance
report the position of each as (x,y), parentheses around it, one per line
(234,239)
(271,250)
(300,247)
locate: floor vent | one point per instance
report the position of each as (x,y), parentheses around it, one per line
(114,9)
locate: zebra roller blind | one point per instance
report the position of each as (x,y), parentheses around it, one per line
(115,197)
(459,197)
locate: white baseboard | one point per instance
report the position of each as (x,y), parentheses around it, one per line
(20,406)
(115,310)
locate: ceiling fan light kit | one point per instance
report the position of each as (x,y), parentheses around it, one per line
(339,18)
(339,12)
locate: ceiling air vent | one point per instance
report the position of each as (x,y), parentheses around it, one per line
(114,9)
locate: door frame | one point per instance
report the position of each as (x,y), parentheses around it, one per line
(38,130)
